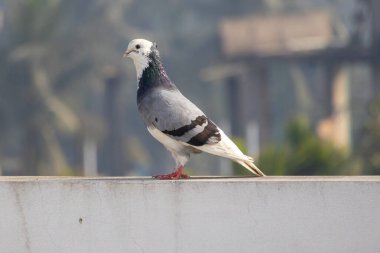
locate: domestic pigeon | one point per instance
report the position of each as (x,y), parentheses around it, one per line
(173,119)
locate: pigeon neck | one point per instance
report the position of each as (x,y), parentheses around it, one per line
(141,64)
(152,75)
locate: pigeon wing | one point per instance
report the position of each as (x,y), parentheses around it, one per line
(178,118)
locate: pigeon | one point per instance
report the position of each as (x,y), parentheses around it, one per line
(173,119)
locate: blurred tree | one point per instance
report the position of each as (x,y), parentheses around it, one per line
(368,147)
(52,56)
(33,113)
(303,153)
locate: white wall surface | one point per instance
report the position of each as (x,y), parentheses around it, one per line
(273,214)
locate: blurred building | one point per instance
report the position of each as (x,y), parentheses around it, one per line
(314,46)
(1,19)
(281,35)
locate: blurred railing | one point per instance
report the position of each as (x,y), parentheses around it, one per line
(272,214)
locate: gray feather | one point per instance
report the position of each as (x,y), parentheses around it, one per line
(176,116)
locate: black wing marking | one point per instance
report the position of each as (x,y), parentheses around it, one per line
(200,120)
(209,134)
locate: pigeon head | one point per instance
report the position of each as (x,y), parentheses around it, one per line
(149,69)
(141,52)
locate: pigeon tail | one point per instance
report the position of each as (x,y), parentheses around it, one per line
(226,148)
(249,165)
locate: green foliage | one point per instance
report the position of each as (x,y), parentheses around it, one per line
(303,153)
(368,146)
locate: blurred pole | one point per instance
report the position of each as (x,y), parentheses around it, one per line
(253,138)
(251,98)
(264,105)
(335,127)
(331,70)
(341,105)
(375,9)
(113,149)
(1,18)
(90,158)
(235,89)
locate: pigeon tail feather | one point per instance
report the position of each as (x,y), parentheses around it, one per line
(249,165)
(226,148)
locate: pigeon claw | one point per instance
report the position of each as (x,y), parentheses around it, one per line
(178,174)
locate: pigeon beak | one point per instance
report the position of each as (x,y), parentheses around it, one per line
(126,53)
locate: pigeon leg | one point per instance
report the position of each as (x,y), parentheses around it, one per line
(178,174)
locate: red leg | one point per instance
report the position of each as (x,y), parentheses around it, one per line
(178,174)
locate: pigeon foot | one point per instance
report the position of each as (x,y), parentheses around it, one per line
(178,174)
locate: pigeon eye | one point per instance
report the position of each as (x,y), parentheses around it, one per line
(137,46)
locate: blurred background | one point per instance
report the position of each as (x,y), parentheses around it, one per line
(294,82)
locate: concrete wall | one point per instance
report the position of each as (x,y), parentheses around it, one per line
(273,214)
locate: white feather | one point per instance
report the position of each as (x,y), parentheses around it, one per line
(226,148)
(179,151)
